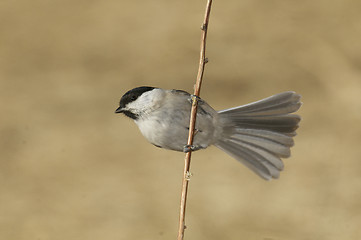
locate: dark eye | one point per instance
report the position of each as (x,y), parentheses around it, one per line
(133,97)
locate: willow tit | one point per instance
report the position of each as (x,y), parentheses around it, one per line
(258,134)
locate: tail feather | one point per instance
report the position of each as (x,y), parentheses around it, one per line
(267,135)
(285,123)
(275,148)
(251,159)
(281,103)
(259,134)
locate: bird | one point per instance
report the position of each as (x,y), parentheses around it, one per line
(258,134)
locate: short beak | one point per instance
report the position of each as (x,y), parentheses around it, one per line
(119,110)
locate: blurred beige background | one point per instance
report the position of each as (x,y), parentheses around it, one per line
(72,169)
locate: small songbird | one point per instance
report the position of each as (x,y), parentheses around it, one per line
(258,134)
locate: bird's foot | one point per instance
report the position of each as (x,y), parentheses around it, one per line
(195,98)
(188,148)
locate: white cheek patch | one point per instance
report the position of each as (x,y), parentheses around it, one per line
(145,102)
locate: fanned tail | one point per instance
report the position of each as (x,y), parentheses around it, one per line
(259,134)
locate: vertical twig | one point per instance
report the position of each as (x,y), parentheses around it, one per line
(197,87)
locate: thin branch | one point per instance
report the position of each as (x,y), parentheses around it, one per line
(197,87)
